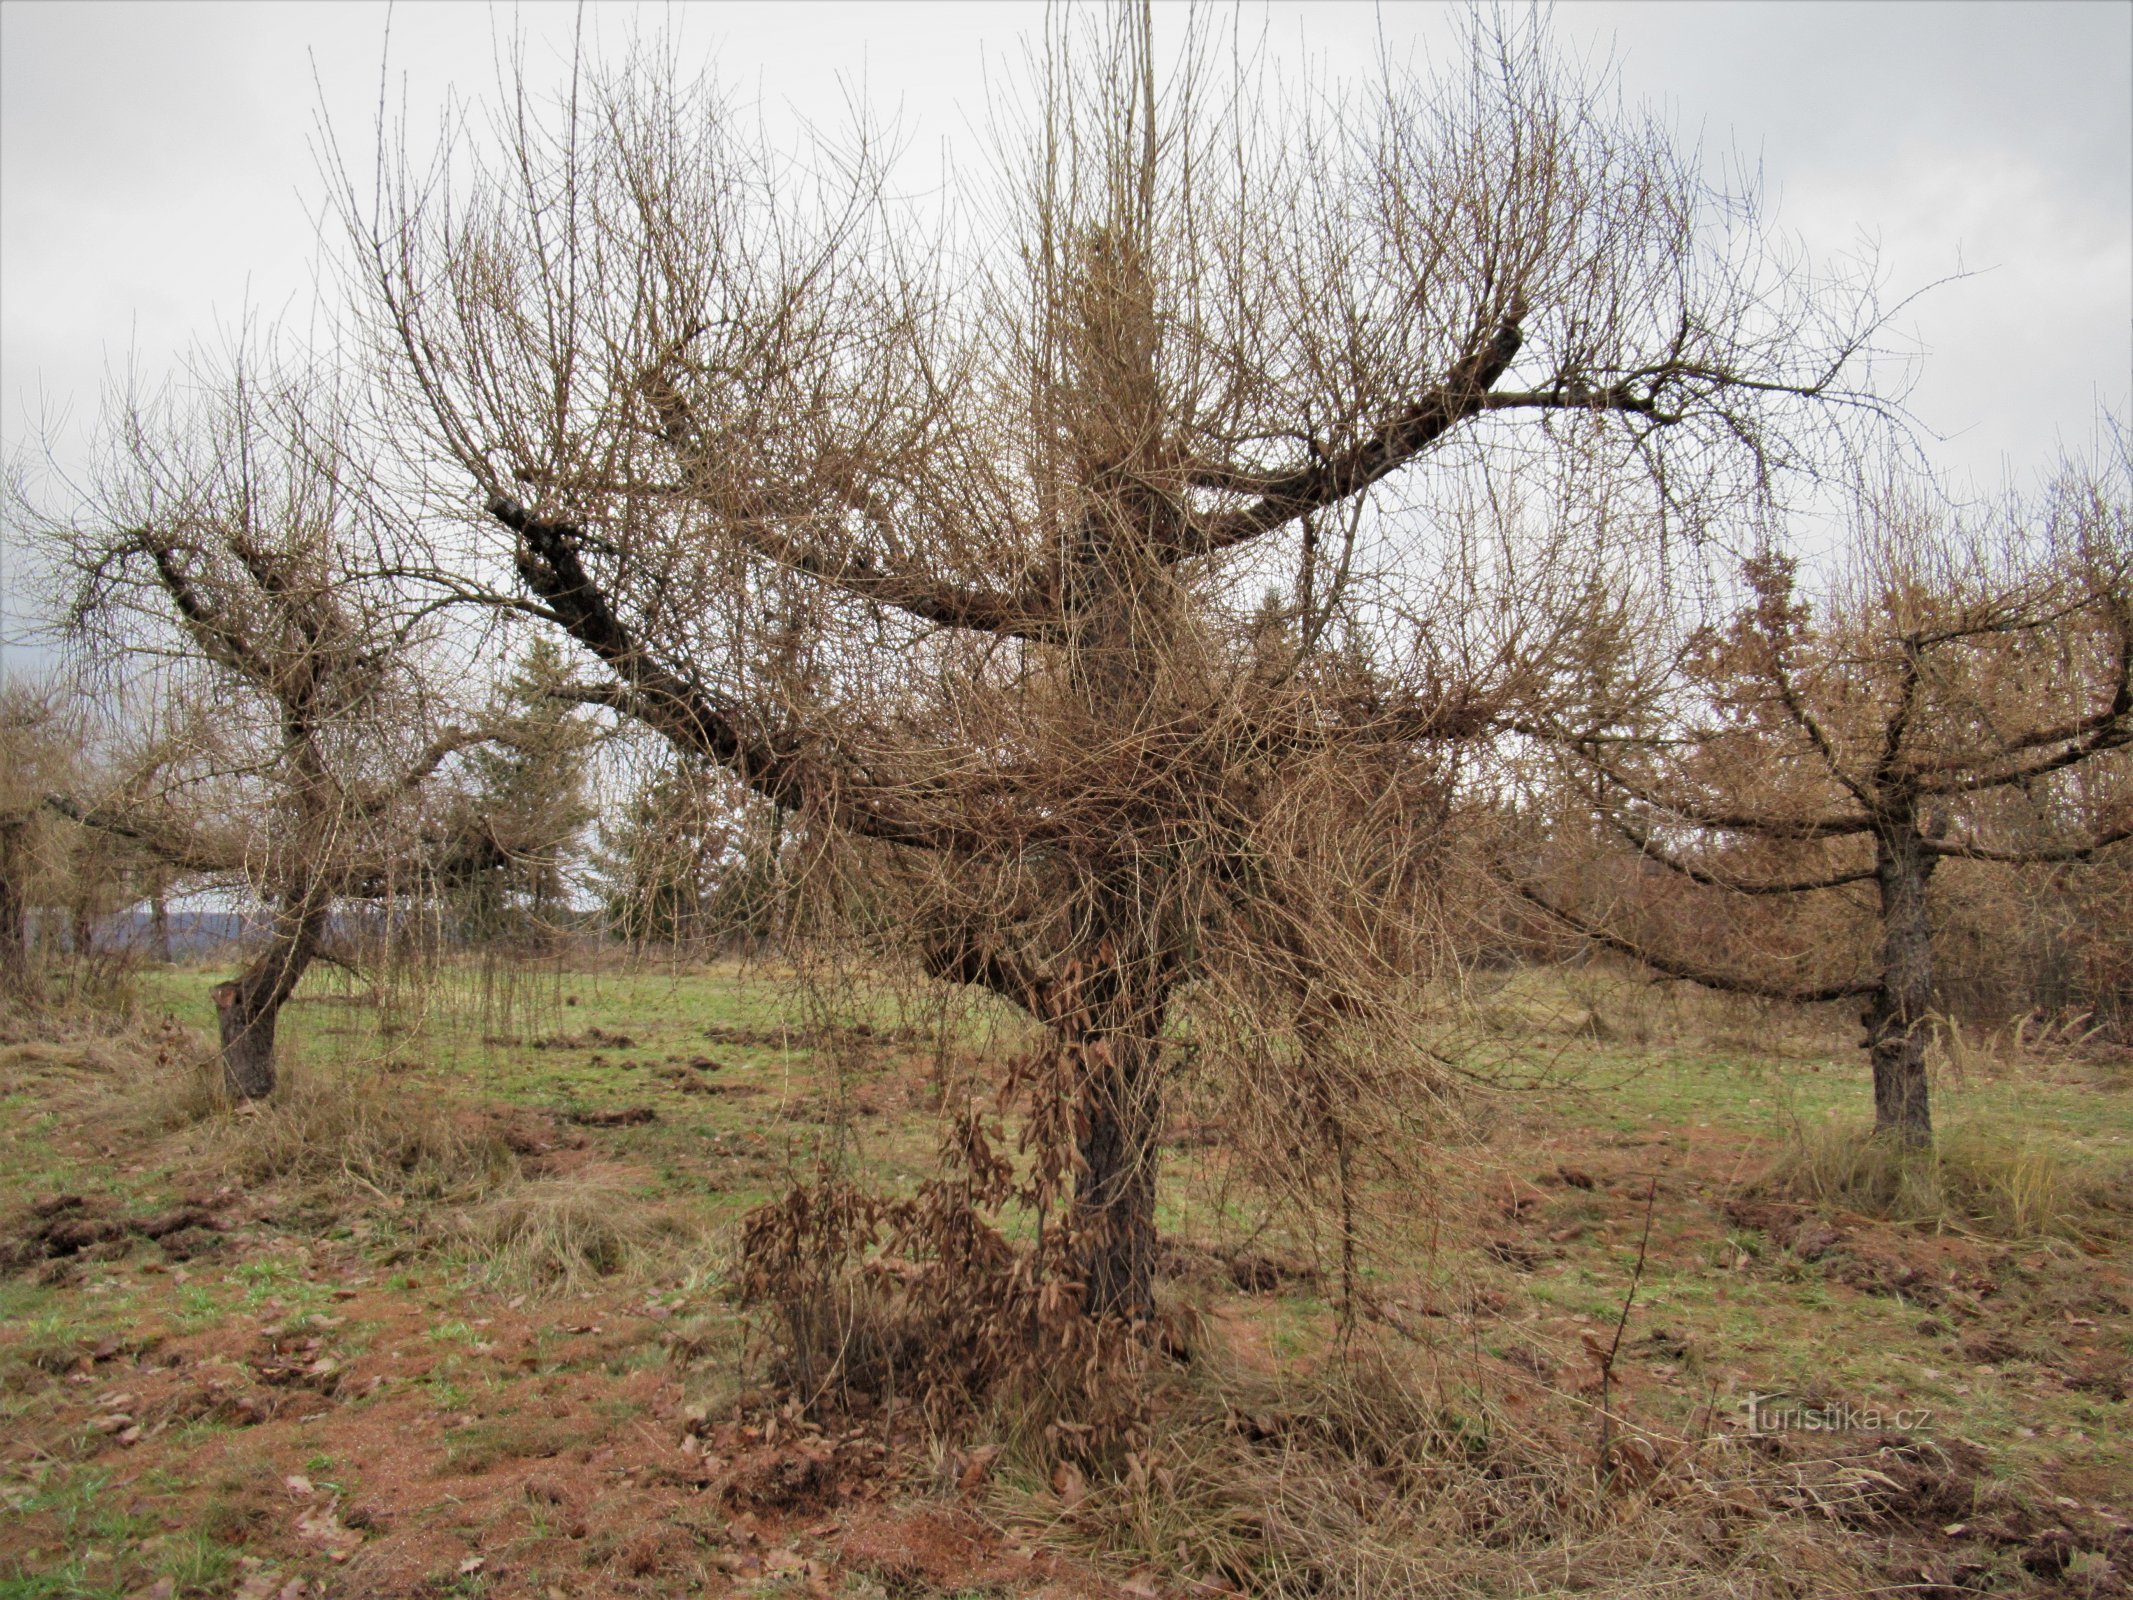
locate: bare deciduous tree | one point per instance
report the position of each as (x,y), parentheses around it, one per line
(1944,703)
(215,567)
(947,528)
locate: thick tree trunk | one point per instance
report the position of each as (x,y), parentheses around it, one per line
(1118,1145)
(1896,1015)
(249,1007)
(159,927)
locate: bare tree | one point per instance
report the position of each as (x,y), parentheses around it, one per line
(946,528)
(214,569)
(35,753)
(1950,700)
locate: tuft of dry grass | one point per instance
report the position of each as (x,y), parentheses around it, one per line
(341,1126)
(345,1127)
(1968,1181)
(1610,1001)
(1960,1052)
(566,1233)
(1368,1477)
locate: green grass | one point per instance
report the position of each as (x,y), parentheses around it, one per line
(1708,1097)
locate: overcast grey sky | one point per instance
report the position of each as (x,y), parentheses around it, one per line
(157,177)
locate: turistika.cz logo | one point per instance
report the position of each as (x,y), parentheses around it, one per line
(1768,1414)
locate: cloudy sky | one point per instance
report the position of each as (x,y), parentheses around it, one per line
(158,176)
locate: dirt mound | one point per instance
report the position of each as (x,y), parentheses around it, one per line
(625,1117)
(61,1226)
(779,1465)
(1253,1271)
(933,1551)
(1904,1263)
(1955,1526)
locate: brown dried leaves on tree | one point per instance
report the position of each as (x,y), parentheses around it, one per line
(1964,693)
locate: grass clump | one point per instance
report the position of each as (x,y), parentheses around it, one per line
(1966,1181)
(485,1443)
(341,1126)
(567,1233)
(1368,1477)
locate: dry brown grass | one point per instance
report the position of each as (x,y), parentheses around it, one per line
(1962,1052)
(356,1135)
(1969,1181)
(1612,1001)
(565,1234)
(123,1075)
(1370,1477)
(345,1127)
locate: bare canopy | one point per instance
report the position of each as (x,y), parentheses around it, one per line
(220,571)
(1064,541)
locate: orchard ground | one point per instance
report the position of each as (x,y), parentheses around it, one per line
(454,1315)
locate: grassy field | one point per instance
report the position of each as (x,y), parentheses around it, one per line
(455,1317)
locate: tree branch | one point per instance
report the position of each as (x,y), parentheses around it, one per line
(186,855)
(219,641)
(1675,967)
(1650,848)
(2101,730)
(549,564)
(929,599)
(2109,735)
(1964,851)
(425,765)
(1286,496)
(1789,828)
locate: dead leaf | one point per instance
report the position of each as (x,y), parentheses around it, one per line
(1067,1484)
(977,1469)
(324,1532)
(298,1486)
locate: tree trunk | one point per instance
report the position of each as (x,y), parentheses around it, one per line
(159,927)
(1896,1015)
(14,903)
(248,1008)
(1114,1192)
